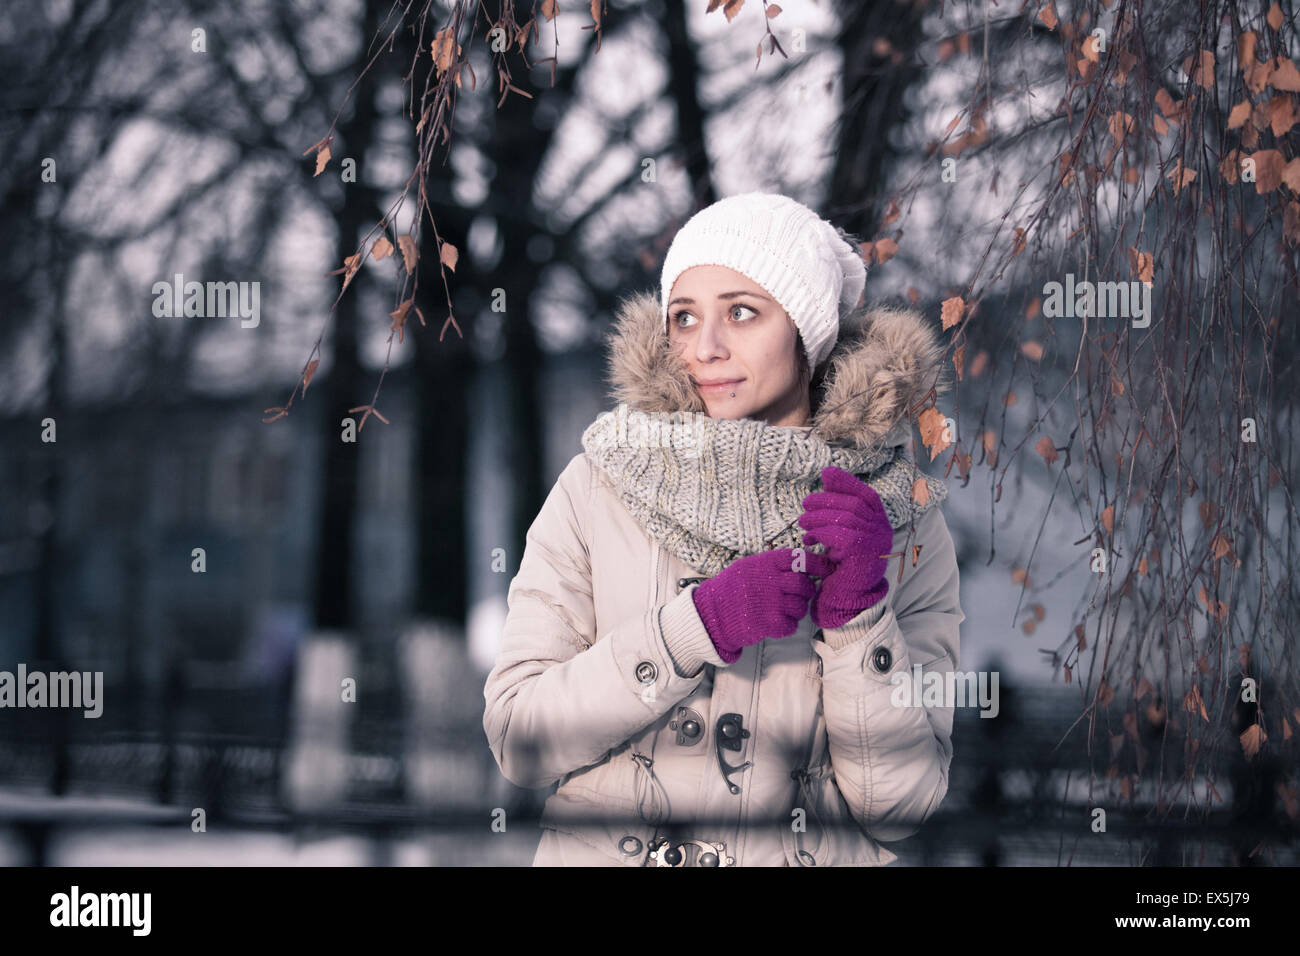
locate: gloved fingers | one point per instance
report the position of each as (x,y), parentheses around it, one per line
(821,517)
(837,479)
(840,545)
(778,559)
(798,584)
(818,565)
(838,501)
(794,605)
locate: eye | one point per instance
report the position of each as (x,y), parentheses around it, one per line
(739,306)
(677,318)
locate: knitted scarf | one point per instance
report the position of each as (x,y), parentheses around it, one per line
(711,490)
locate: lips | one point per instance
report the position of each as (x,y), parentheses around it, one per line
(720,383)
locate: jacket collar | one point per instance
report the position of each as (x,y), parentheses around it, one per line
(883,365)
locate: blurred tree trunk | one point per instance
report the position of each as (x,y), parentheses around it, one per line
(517,146)
(683,85)
(875,81)
(334,605)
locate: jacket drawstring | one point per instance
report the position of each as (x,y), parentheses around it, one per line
(805,791)
(651,797)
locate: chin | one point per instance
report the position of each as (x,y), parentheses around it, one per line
(732,414)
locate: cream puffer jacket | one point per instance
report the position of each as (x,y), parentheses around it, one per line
(792,755)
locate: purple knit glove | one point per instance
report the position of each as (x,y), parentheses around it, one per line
(755,597)
(849,519)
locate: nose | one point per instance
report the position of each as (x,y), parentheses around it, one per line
(709,343)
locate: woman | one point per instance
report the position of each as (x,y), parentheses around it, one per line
(704,685)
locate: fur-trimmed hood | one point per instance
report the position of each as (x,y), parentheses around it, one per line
(884,363)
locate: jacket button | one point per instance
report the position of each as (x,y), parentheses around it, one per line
(708,859)
(629,845)
(691,728)
(883,659)
(646,672)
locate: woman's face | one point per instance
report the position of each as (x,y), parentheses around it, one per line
(729,330)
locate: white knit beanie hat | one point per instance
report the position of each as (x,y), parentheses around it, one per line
(808,265)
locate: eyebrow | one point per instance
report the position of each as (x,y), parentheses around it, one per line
(721,295)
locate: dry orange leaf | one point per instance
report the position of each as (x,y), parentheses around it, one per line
(1269,164)
(1192,701)
(933,425)
(1108,518)
(1142,263)
(920,491)
(1291,222)
(1032,350)
(441,48)
(979,363)
(1220,547)
(1229,165)
(1275,16)
(1200,68)
(1246,49)
(891,214)
(1283,75)
(448,254)
(1091,50)
(1047,449)
(884,249)
(1239,114)
(409,253)
(1020,243)
(1256,75)
(730,7)
(1010,399)
(1048,16)
(399,317)
(1291,175)
(382,248)
(349,269)
(1034,307)
(308,372)
(548,9)
(1252,739)
(1281,114)
(1105,693)
(1167,104)
(952,310)
(1180,175)
(1120,124)
(322,158)
(1020,576)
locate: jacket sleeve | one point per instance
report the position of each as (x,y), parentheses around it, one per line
(891,761)
(558,699)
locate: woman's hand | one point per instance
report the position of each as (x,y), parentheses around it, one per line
(849,519)
(757,596)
